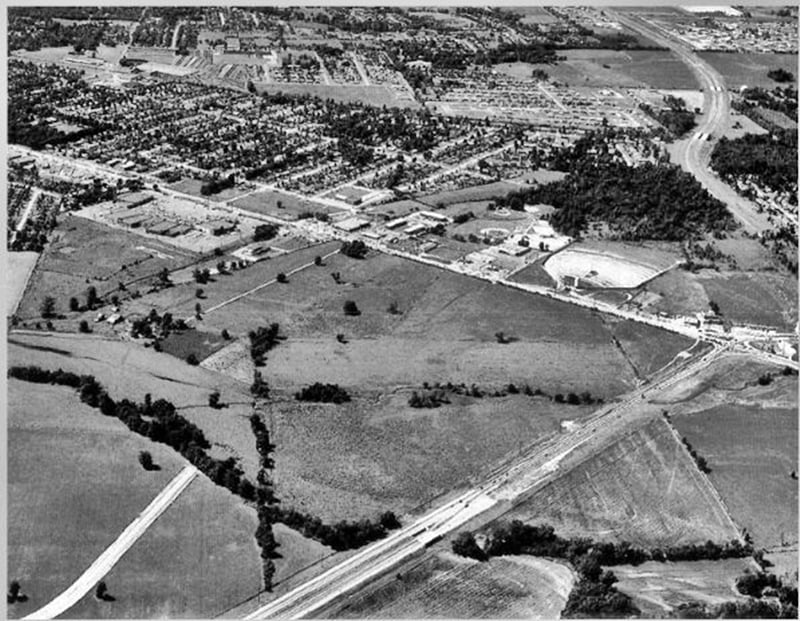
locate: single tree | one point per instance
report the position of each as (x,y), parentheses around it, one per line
(465,545)
(192,359)
(13,591)
(91,297)
(74,305)
(226,335)
(318,260)
(197,310)
(163,276)
(83,326)
(282,278)
(101,591)
(351,309)
(213,399)
(393,309)
(198,293)
(146,459)
(48,307)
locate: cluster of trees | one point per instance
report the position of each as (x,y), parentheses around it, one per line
(157,420)
(323,393)
(155,325)
(595,594)
(431,399)
(780,75)
(701,462)
(677,120)
(263,340)
(201,276)
(259,388)
(215,186)
(343,535)
(355,249)
(770,158)
(264,232)
(762,584)
(33,32)
(659,202)
(782,242)
(463,217)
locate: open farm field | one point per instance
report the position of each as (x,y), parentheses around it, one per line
(679,293)
(609,68)
(647,351)
(84,253)
(194,561)
(658,588)
(74,484)
(749,69)
(754,297)
(291,206)
(444,585)
(198,342)
(644,489)
(374,94)
(534,274)
(444,331)
(147,371)
(476,193)
(378,453)
(20,267)
(751,450)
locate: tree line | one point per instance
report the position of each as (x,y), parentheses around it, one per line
(157,420)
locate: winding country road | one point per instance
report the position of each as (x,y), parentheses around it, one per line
(694,154)
(106,561)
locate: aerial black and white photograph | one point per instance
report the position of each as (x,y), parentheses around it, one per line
(424,311)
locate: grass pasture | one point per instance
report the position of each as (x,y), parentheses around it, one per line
(749,69)
(658,588)
(444,585)
(291,206)
(196,560)
(84,253)
(74,484)
(754,297)
(485,192)
(159,374)
(198,342)
(644,489)
(751,451)
(373,94)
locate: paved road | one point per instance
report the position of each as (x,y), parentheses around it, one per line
(695,154)
(103,564)
(540,465)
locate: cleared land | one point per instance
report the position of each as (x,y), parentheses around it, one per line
(609,68)
(291,206)
(759,298)
(20,266)
(598,269)
(447,586)
(657,588)
(474,193)
(749,69)
(751,451)
(66,463)
(644,489)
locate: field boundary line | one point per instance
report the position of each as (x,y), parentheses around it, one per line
(706,480)
(113,553)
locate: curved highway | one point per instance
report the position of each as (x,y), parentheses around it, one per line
(694,154)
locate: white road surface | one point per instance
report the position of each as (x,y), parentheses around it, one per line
(106,561)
